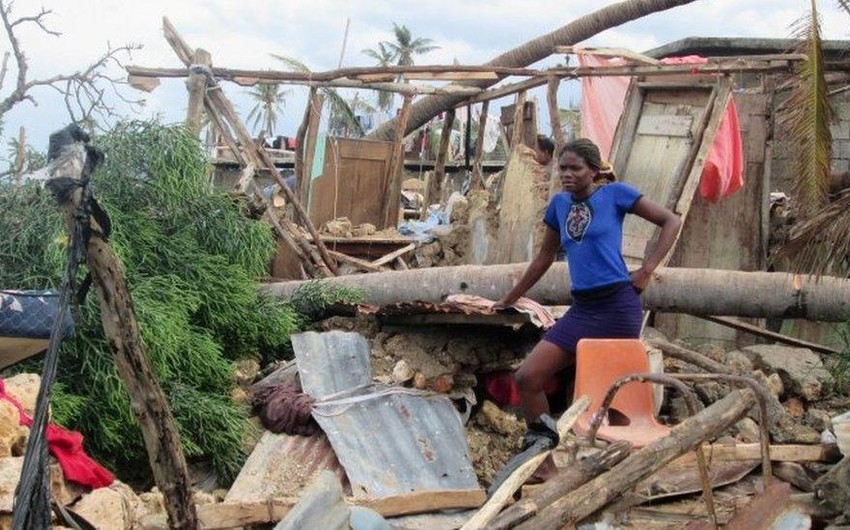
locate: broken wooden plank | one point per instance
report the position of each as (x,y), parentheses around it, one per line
(506,490)
(619,53)
(684,437)
(197,85)
(778,453)
(565,481)
(393,255)
(233,515)
(395,173)
(359,263)
(435,183)
(778,337)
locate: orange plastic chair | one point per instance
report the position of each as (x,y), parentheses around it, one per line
(599,363)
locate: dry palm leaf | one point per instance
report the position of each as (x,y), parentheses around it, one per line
(821,244)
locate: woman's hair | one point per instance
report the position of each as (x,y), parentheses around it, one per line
(589,152)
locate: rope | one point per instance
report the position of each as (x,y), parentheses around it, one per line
(32,496)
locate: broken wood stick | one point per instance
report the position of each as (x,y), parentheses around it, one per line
(683,437)
(778,337)
(691,357)
(778,453)
(565,481)
(620,53)
(357,262)
(121,329)
(515,481)
(232,515)
(477,180)
(389,258)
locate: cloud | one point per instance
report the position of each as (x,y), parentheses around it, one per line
(242,34)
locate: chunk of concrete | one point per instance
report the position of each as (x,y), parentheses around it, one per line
(802,370)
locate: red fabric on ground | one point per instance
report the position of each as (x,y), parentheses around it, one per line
(501,387)
(67,447)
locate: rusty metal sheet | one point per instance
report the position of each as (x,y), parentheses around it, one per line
(282,466)
(394,441)
(390,440)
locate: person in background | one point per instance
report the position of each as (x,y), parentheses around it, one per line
(544,150)
(586,218)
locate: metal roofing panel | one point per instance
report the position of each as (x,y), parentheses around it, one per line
(390,440)
(282,465)
(332,362)
(394,441)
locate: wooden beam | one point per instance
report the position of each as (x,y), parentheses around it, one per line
(477,169)
(392,192)
(435,185)
(121,329)
(451,76)
(778,337)
(215,98)
(505,90)
(565,481)
(357,262)
(555,115)
(622,53)
(231,515)
(300,134)
(389,258)
(778,453)
(683,438)
(197,85)
(518,126)
(316,102)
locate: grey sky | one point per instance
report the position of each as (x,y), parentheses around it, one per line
(242,33)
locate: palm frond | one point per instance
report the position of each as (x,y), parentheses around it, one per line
(342,109)
(821,244)
(808,116)
(292,63)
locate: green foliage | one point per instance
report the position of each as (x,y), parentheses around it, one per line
(840,364)
(192,263)
(311,299)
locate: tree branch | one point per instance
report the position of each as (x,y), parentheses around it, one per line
(83,95)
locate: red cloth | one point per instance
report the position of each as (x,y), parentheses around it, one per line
(602,102)
(501,387)
(67,447)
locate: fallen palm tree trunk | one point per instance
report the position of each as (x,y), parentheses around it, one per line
(532,51)
(605,488)
(673,290)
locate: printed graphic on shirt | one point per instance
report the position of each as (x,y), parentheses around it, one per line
(578,220)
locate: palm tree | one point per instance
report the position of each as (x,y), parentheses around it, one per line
(384,57)
(820,243)
(339,107)
(536,50)
(405,46)
(270,101)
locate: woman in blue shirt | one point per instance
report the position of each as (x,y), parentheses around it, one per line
(586,219)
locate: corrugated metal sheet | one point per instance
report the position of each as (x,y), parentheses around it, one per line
(282,466)
(390,440)
(331,362)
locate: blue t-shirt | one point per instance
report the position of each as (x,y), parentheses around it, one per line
(591,233)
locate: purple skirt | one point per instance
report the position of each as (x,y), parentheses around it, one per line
(613,312)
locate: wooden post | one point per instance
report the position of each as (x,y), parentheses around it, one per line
(519,120)
(299,145)
(306,175)
(396,167)
(432,193)
(147,399)
(477,169)
(197,85)
(214,97)
(683,437)
(554,115)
